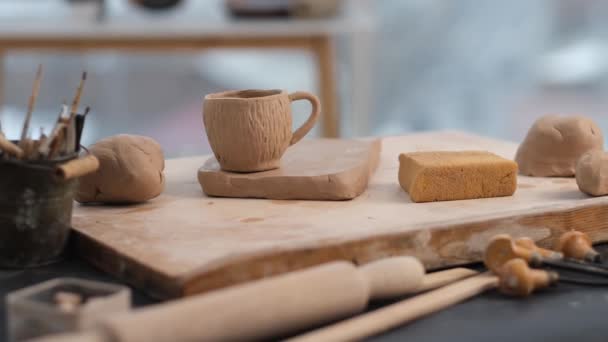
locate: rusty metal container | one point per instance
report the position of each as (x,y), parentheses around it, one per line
(35,212)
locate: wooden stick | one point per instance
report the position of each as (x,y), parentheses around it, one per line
(31,103)
(9,148)
(402,312)
(77,168)
(70,136)
(76,100)
(441,278)
(44,149)
(514,278)
(58,142)
(28,148)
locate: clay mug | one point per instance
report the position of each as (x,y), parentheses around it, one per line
(249,130)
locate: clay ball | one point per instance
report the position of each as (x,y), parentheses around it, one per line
(592,173)
(130,171)
(555,143)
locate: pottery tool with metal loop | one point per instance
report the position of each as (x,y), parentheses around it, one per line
(275,306)
(502,248)
(577,245)
(514,278)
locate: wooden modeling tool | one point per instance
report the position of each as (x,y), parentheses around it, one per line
(502,248)
(76,168)
(274,306)
(45,148)
(577,245)
(9,148)
(30,108)
(515,278)
(79,121)
(71,142)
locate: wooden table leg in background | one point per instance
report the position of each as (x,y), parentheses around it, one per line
(361,82)
(322,48)
(330,119)
(2,54)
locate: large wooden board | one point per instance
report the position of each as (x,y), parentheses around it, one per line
(319,169)
(184,242)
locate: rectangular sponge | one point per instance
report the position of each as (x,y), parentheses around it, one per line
(447,175)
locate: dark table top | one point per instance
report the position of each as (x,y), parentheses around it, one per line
(562,313)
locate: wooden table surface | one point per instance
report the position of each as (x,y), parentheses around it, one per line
(184,242)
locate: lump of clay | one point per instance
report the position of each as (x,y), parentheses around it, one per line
(592,173)
(130,171)
(554,144)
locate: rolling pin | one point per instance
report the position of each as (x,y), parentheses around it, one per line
(271,307)
(515,278)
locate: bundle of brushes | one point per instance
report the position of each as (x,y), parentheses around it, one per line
(61,143)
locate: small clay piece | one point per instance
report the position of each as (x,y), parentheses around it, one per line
(249,130)
(130,171)
(448,175)
(592,173)
(555,143)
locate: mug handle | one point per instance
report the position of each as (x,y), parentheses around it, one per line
(306,126)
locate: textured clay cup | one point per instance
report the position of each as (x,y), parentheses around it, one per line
(249,130)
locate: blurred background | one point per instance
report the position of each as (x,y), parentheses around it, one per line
(398,66)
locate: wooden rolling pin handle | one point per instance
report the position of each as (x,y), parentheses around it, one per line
(77,168)
(393,277)
(529,244)
(577,245)
(517,279)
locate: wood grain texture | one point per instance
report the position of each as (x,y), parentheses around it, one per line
(183,242)
(321,169)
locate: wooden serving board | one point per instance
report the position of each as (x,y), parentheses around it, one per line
(320,169)
(183,242)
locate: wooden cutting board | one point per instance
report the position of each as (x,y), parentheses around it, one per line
(184,242)
(320,169)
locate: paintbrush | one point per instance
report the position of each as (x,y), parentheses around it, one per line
(30,107)
(79,119)
(71,130)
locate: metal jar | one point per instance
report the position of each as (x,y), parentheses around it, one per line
(35,212)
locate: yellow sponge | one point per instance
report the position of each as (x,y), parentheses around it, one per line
(447,175)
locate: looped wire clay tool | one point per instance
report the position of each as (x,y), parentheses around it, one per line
(577,245)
